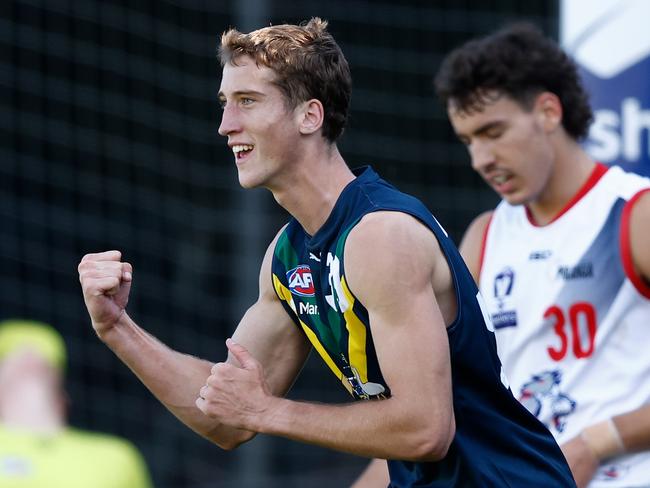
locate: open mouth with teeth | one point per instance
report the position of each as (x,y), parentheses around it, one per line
(241,150)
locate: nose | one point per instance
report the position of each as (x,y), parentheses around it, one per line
(481,154)
(229,121)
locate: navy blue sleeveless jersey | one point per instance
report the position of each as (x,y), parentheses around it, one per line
(498,443)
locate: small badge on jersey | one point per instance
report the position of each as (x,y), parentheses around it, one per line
(361,390)
(540,255)
(581,271)
(506,316)
(300,281)
(610,472)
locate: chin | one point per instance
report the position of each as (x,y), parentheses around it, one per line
(248,181)
(247,185)
(516,199)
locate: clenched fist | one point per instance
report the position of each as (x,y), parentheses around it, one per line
(106,282)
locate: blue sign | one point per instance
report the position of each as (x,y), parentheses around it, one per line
(610,41)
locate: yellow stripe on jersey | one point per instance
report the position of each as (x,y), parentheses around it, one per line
(356,336)
(326,357)
(285,294)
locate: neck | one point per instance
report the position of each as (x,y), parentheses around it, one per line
(310,192)
(32,408)
(570,172)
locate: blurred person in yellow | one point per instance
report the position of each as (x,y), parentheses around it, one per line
(37,447)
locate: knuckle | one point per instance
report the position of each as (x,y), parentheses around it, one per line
(219,368)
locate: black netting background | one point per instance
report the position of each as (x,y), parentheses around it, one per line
(108,140)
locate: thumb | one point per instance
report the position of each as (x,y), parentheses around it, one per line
(242,355)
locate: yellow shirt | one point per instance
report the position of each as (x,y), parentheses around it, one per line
(69,459)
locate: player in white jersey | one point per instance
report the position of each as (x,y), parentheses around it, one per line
(563,262)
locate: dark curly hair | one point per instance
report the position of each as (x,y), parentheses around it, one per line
(520,62)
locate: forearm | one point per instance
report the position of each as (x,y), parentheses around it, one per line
(379,428)
(634,429)
(174,378)
(624,433)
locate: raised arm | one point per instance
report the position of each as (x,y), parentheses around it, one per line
(390,262)
(176,378)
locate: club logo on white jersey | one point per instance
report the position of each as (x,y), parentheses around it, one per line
(544,399)
(502,288)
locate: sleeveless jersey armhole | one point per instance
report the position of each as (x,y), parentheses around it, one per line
(276,284)
(483,247)
(626,249)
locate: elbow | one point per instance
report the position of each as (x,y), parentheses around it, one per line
(228,445)
(432,444)
(232,441)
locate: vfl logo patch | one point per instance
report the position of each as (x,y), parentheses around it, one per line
(502,289)
(300,281)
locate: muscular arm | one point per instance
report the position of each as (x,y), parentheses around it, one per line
(176,378)
(390,263)
(471,246)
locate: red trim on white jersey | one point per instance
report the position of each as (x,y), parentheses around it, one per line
(626,249)
(598,172)
(483,245)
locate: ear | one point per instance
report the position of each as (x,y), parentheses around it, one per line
(311,116)
(549,108)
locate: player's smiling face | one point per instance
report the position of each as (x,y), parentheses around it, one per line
(508,146)
(262,130)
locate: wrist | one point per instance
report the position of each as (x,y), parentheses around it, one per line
(107,331)
(603,440)
(272,416)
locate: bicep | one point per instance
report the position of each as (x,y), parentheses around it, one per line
(413,350)
(393,279)
(271,336)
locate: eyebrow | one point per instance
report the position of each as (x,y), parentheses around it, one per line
(240,93)
(487,126)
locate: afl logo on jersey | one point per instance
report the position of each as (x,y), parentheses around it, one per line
(300,281)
